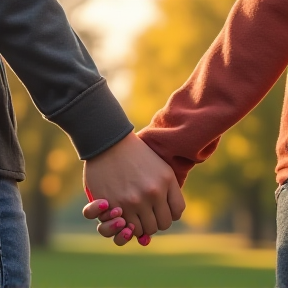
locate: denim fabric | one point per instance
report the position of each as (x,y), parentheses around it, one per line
(14,240)
(282,237)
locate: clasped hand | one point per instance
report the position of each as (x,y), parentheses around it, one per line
(140,187)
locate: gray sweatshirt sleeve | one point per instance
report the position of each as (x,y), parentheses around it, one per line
(62,79)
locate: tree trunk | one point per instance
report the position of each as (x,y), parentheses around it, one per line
(37,205)
(248,213)
(38,219)
(254,207)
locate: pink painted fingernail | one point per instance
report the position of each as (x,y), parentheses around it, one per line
(114,213)
(116,225)
(131,226)
(103,206)
(127,234)
(144,240)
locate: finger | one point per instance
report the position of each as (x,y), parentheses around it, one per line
(144,240)
(108,215)
(94,209)
(131,226)
(111,227)
(163,216)
(123,237)
(175,200)
(148,222)
(138,231)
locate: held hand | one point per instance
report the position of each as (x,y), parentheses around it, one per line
(112,223)
(131,176)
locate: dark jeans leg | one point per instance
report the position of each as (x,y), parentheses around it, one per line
(282,238)
(14,240)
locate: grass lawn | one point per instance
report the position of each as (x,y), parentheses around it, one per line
(80,261)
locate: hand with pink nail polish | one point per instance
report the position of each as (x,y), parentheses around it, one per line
(131,176)
(112,224)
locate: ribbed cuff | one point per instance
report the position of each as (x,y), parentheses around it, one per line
(94,120)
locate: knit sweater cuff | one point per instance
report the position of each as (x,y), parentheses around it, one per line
(94,120)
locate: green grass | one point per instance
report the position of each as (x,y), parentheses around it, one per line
(67,269)
(178,261)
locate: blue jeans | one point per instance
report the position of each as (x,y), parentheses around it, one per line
(282,237)
(14,240)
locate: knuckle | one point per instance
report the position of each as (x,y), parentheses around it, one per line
(133,199)
(153,190)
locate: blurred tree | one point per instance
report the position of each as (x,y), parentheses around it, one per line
(53,169)
(233,190)
(167,52)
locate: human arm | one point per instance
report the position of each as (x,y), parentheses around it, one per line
(235,73)
(65,85)
(62,79)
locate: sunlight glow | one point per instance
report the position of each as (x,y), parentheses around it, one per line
(119,20)
(119,23)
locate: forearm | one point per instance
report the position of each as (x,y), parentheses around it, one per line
(54,65)
(236,72)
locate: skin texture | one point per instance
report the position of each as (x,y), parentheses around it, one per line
(132,176)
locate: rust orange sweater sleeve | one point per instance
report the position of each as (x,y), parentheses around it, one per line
(237,71)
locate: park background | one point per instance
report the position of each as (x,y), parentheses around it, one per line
(147,49)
